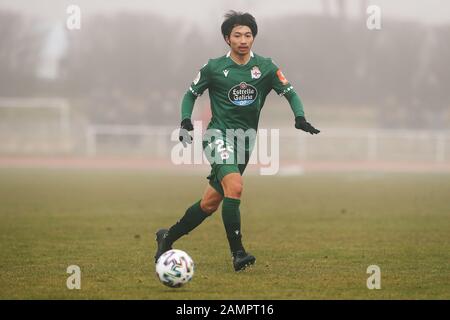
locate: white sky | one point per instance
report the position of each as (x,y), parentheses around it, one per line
(205,11)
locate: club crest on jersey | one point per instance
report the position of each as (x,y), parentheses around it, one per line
(256,73)
(242,94)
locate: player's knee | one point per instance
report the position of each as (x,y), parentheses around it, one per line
(209,207)
(234,189)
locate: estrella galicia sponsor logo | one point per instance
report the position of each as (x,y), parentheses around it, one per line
(242,94)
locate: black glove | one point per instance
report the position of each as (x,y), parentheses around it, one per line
(184,136)
(301,123)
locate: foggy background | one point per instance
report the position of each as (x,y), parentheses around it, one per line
(114,87)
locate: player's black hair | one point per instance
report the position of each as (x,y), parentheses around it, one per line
(233,19)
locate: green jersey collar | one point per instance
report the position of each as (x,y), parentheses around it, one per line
(251,56)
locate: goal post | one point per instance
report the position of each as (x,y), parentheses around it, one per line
(35,125)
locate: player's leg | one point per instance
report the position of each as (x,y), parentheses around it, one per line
(231,215)
(192,218)
(210,200)
(232,184)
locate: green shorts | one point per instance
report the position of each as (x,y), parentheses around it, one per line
(219,171)
(223,160)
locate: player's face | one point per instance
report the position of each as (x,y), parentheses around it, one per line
(241,40)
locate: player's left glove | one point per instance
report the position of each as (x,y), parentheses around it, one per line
(302,124)
(184,136)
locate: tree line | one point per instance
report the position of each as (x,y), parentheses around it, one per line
(135,67)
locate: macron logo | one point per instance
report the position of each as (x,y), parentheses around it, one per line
(225,72)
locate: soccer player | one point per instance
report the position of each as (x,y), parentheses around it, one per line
(238,84)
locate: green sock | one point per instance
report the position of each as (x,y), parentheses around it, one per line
(193,217)
(231,217)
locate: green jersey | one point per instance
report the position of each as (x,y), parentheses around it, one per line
(237,92)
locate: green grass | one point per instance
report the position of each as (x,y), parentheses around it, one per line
(314,235)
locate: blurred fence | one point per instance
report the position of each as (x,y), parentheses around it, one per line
(332,144)
(45,127)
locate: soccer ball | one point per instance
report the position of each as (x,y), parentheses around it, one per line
(175,268)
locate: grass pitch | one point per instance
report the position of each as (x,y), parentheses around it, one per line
(313,235)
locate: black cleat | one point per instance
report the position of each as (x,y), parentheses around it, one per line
(242,260)
(162,245)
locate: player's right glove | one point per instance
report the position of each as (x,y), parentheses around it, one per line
(184,136)
(301,123)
